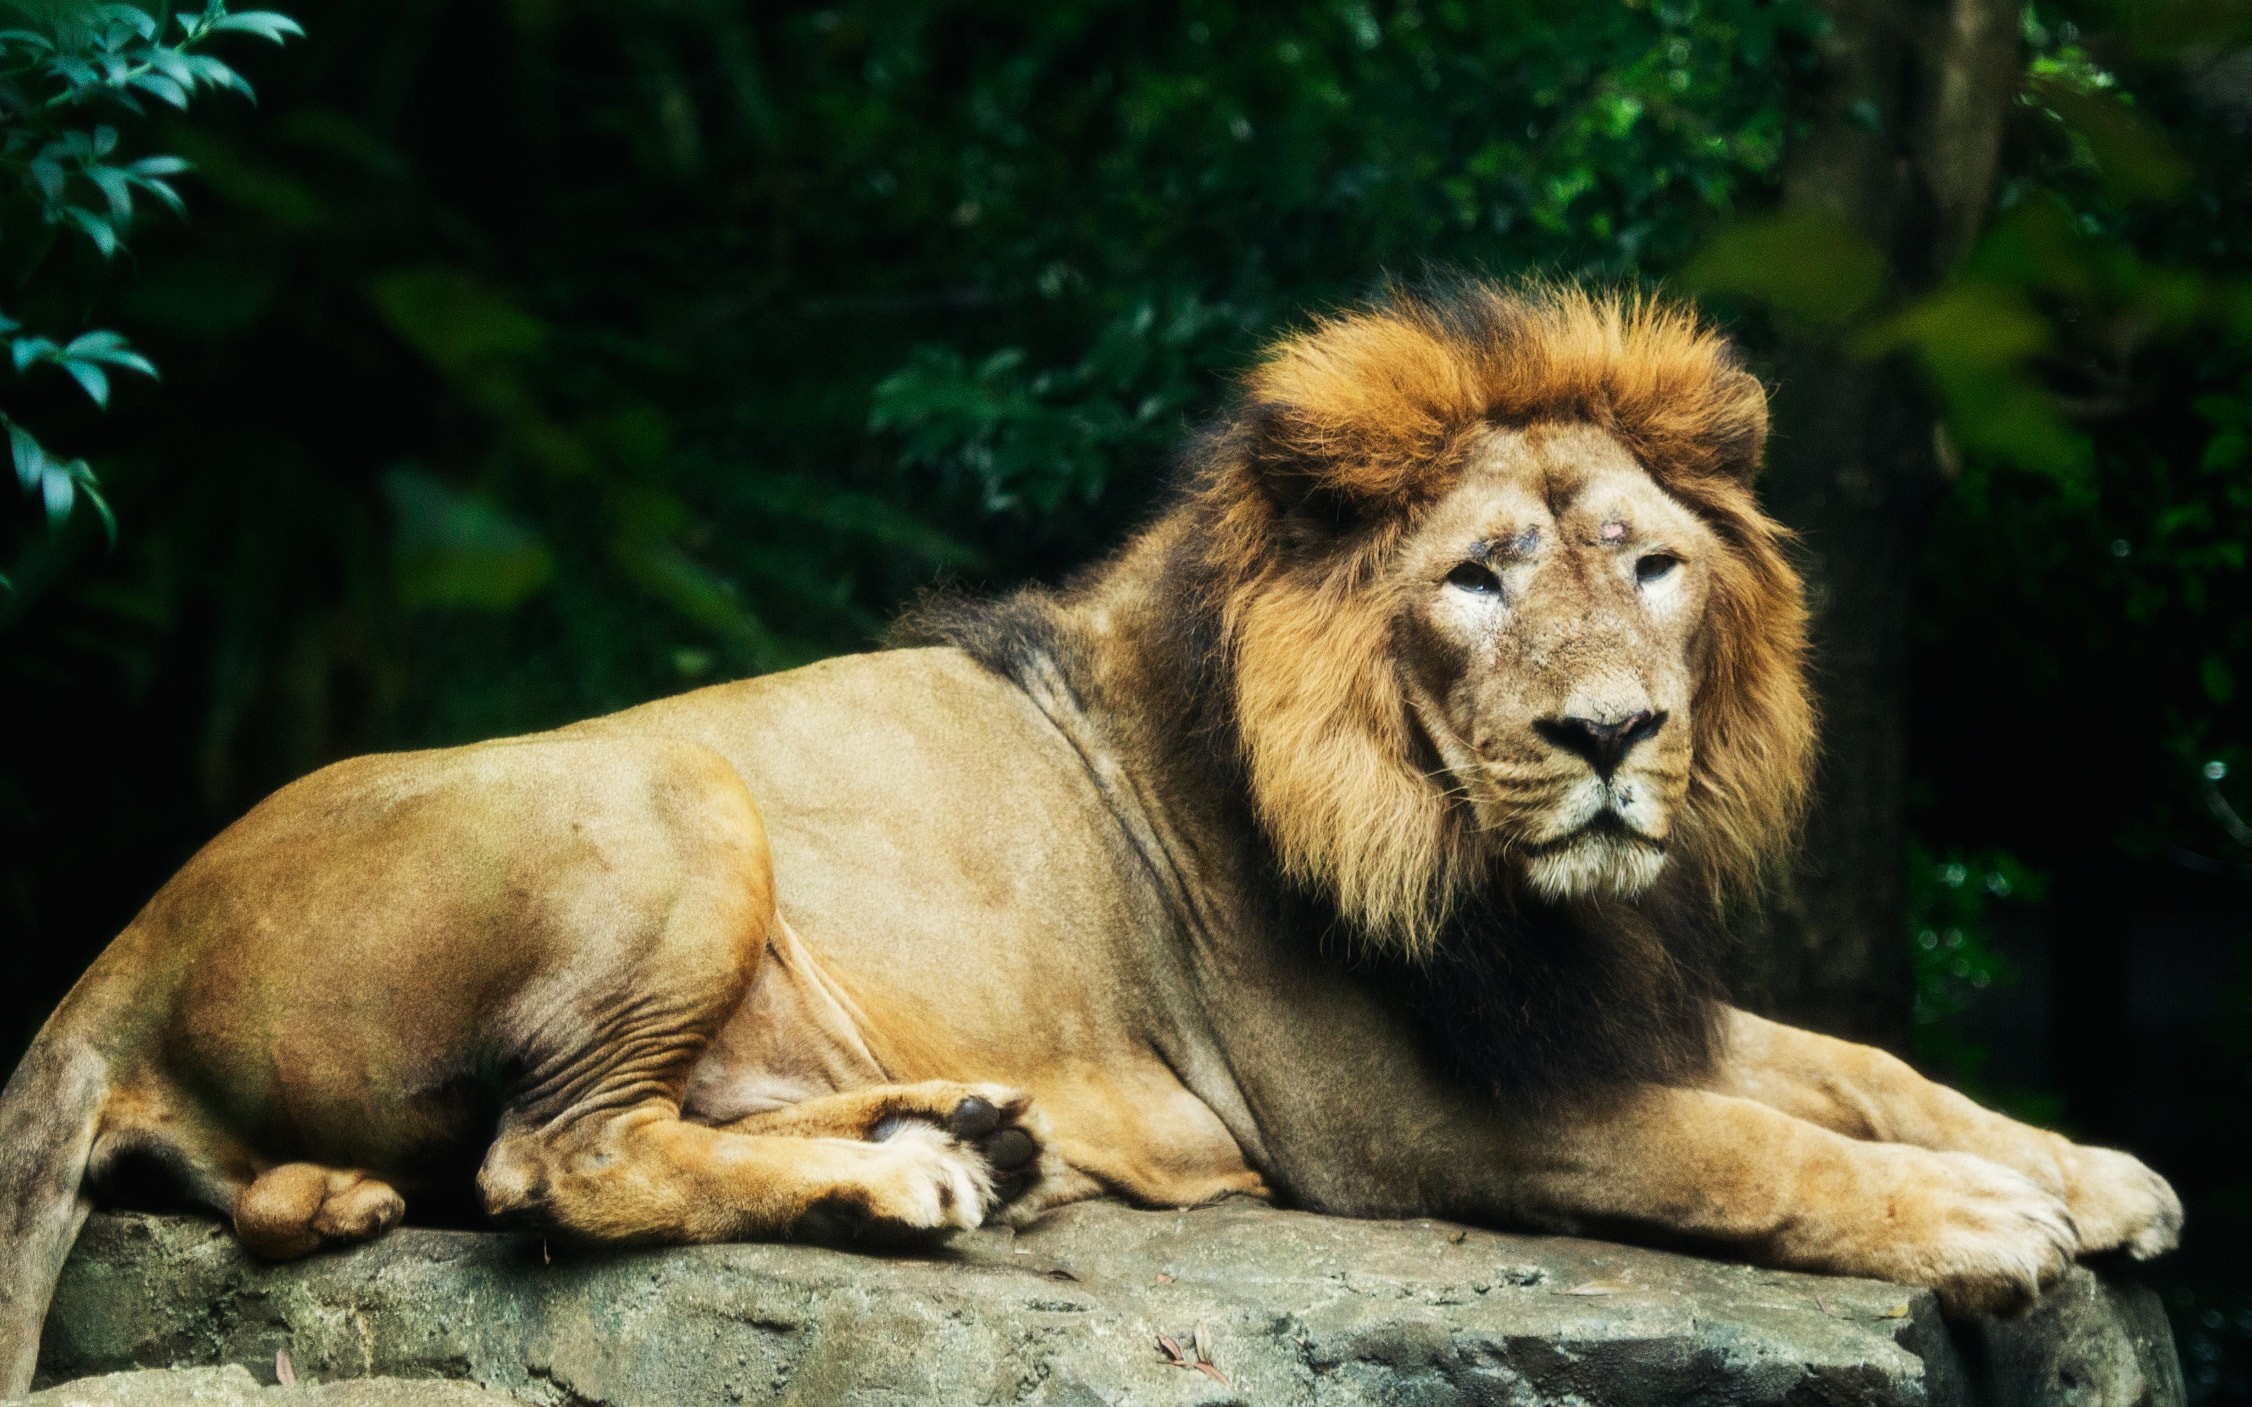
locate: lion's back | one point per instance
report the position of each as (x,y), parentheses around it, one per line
(918,806)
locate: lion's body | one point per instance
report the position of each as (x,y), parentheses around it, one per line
(947,856)
(366,1014)
(1346,838)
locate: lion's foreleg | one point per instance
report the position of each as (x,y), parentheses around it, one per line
(647,1176)
(863,1112)
(1782,1191)
(1004,1127)
(1866,1093)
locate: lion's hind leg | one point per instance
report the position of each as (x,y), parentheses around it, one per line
(653,924)
(297,1208)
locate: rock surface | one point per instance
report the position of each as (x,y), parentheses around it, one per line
(232,1386)
(1291,1309)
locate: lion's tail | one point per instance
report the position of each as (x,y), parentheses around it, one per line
(48,1118)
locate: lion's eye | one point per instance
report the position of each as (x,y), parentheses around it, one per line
(1654,566)
(1475,576)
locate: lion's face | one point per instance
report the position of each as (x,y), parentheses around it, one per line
(1550,606)
(1477,562)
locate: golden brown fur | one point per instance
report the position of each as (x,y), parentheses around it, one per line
(1464,639)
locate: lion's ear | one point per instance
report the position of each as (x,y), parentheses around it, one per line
(1691,418)
(1354,412)
(1738,424)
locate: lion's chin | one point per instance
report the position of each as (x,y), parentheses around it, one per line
(1595,866)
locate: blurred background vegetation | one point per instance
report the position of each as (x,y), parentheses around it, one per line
(521,359)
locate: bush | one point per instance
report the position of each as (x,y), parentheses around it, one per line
(69,75)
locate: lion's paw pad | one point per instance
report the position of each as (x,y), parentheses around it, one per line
(995,1125)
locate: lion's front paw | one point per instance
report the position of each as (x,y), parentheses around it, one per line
(924,1181)
(1986,1239)
(2117,1201)
(943,1158)
(917,1184)
(996,1125)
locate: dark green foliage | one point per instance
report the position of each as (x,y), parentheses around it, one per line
(70,70)
(1957,958)
(2088,613)
(684,342)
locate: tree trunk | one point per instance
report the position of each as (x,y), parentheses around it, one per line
(1902,151)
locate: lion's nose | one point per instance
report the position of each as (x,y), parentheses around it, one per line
(1604,744)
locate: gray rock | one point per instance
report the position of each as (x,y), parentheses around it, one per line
(232,1386)
(154,1387)
(1292,1309)
(2088,1343)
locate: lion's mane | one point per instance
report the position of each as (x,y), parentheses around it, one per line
(1266,596)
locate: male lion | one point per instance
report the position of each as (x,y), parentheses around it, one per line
(1354,837)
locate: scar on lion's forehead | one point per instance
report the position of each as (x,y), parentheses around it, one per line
(1503,548)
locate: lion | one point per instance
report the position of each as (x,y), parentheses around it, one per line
(1359,836)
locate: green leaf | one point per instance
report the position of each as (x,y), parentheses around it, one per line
(2217,678)
(2132,154)
(454,318)
(96,229)
(2225,450)
(116,187)
(92,378)
(455,549)
(695,591)
(30,458)
(164,193)
(100,506)
(267,24)
(2014,421)
(164,89)
(28,350)
(1802,261)
(78,73)
(805,499)
(130,17)
(174,65)
(58,491)
(2037,245)
(49,176)
(93,344)
(2221,410)
(213,73)
(1971,326)
(111,348)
